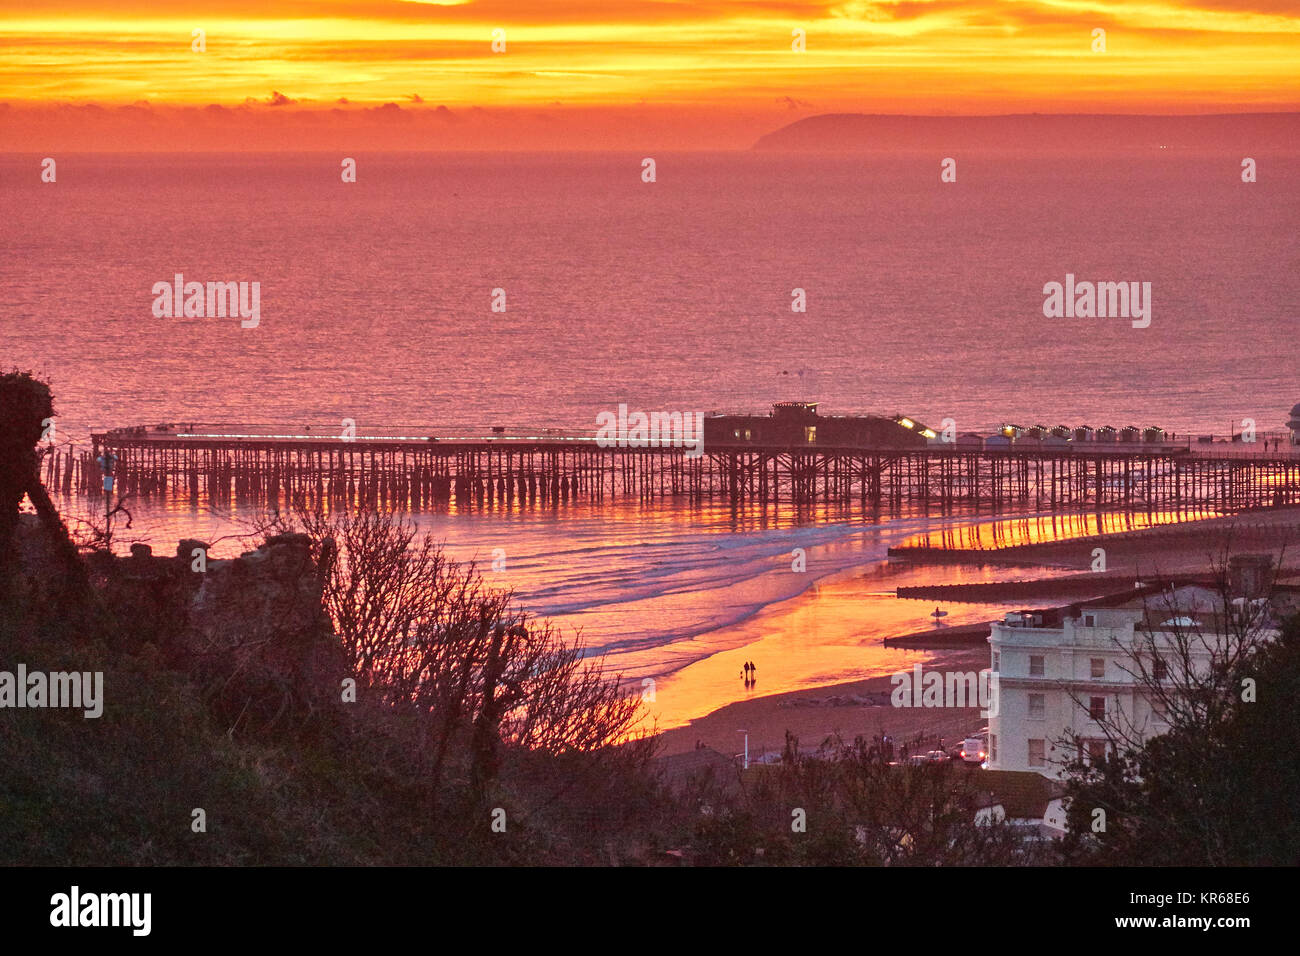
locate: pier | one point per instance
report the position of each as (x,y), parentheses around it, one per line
(227,465)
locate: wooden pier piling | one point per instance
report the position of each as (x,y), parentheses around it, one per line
(499,472)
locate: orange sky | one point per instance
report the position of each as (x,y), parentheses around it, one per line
(604,73)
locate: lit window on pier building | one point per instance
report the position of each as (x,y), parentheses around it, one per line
(800,423)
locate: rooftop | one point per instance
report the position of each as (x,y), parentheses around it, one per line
(1022,794)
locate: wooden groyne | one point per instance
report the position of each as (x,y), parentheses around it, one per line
(995,592)
(416,472)
(966,635)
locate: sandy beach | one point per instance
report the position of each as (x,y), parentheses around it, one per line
(831,635)
(814,710)
(814,715)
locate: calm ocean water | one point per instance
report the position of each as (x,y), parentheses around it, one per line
(923,298)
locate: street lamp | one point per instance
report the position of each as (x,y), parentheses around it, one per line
(108,463)
(746,763)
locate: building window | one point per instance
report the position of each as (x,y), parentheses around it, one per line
(1037,706)
(1036,665)
(1096,750)
(1098,667)
(810,433)
(997,660)
(748,435)
(1097,708)
(1090,620)
(1159,669)
(1160,712)
(993,746)
(1037,753)
(736,433)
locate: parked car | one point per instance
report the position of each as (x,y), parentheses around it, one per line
(933,756)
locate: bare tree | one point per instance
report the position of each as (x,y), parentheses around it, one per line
(1188,662)
(425,633)
(1189,666)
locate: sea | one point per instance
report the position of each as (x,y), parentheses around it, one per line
(462,290)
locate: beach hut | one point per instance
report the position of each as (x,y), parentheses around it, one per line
(1153,434)
(970,441)
(1083,433)
(1130,433)
(1104,433)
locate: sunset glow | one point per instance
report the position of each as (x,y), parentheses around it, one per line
(699,61)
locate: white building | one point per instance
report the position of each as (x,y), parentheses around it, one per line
(1060,675)
(1027,802)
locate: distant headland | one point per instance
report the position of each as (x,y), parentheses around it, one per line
(1040,132)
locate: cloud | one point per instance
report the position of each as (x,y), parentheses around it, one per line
(279,99)
(391,111)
